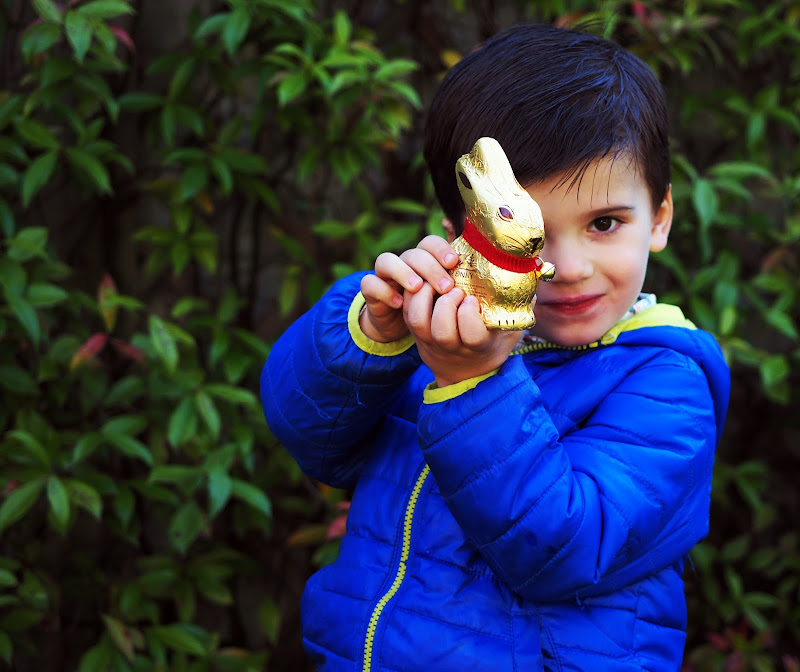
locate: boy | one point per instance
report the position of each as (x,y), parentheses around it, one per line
(519,504)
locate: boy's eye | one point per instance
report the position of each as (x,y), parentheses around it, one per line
(605,224)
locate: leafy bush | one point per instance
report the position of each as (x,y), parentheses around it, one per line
(137,474)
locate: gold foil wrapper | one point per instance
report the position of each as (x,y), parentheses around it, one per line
(506,224)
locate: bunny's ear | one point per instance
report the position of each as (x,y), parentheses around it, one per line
(488,157)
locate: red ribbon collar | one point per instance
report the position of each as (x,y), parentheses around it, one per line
(499,258)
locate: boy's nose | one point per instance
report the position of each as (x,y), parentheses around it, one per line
(572,264)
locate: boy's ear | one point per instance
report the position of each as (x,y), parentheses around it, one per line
(662,223)
(450,229)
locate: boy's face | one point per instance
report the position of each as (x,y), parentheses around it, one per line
(598,234)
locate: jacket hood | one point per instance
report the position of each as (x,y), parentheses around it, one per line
(665,326)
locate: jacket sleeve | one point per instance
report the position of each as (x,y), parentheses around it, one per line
(323,394)
(623,495)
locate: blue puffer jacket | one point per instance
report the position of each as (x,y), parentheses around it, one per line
(536,521)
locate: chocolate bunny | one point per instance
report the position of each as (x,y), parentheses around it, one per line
(503,236)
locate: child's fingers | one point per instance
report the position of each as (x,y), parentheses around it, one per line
(417,308)
(471,328)
(429,268)
(390,267)
(444,321)
(440,249)
(380,293)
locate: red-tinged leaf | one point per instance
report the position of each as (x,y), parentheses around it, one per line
(93,345)
(123,37)
(106,289)
(337,528)
(127,350)
(718,641)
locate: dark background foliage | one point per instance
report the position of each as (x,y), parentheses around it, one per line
(179,180)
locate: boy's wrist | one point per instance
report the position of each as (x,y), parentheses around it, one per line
(365,341)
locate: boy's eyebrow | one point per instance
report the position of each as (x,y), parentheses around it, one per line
(609,209)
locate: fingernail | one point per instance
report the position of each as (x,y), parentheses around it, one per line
(445,283)
(449,258)
(415,281)
(397,301)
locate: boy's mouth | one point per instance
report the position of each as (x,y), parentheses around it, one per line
(573,305)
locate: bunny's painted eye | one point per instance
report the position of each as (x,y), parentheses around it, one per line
(464,180)
(505,213)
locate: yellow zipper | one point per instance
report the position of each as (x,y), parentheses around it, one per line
(401,569)
(535,347)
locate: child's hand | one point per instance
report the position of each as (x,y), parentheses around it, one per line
(382,320)
(451,337)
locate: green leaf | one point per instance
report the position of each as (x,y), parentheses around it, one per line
(125,424)
(235,29)
(85,496)
(163,343)
(7,220)
(42,294)
(194,180)
(39,38)
(79,33)
(182,423)
(139,101)
(213,24)
(85,446)
(237,395)
(220,487)
(269,615)
(331,228)
(89,166)
(7,579)
(105,9)
(782,322)
(48,10)
(183,73)
(178,638)
(37,175)
(341,27)
(243,162)
(406,206)
(27,244)
(26,315)
(18,381)
(32,445)
(59,502)
(208,412)
(185,526)
(291,87)
(6,648)
(121,636)
(19,502)
(407,91)
(185,476)
(223,175)
(130,446)
(215,591)
(251,495)
(740,170)
(36,134)
(774,370)
(395,68)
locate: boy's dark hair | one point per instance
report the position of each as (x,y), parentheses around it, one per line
(555,100)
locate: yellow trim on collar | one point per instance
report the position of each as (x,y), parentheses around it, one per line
(660,315)
(432,394)
(364,342)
